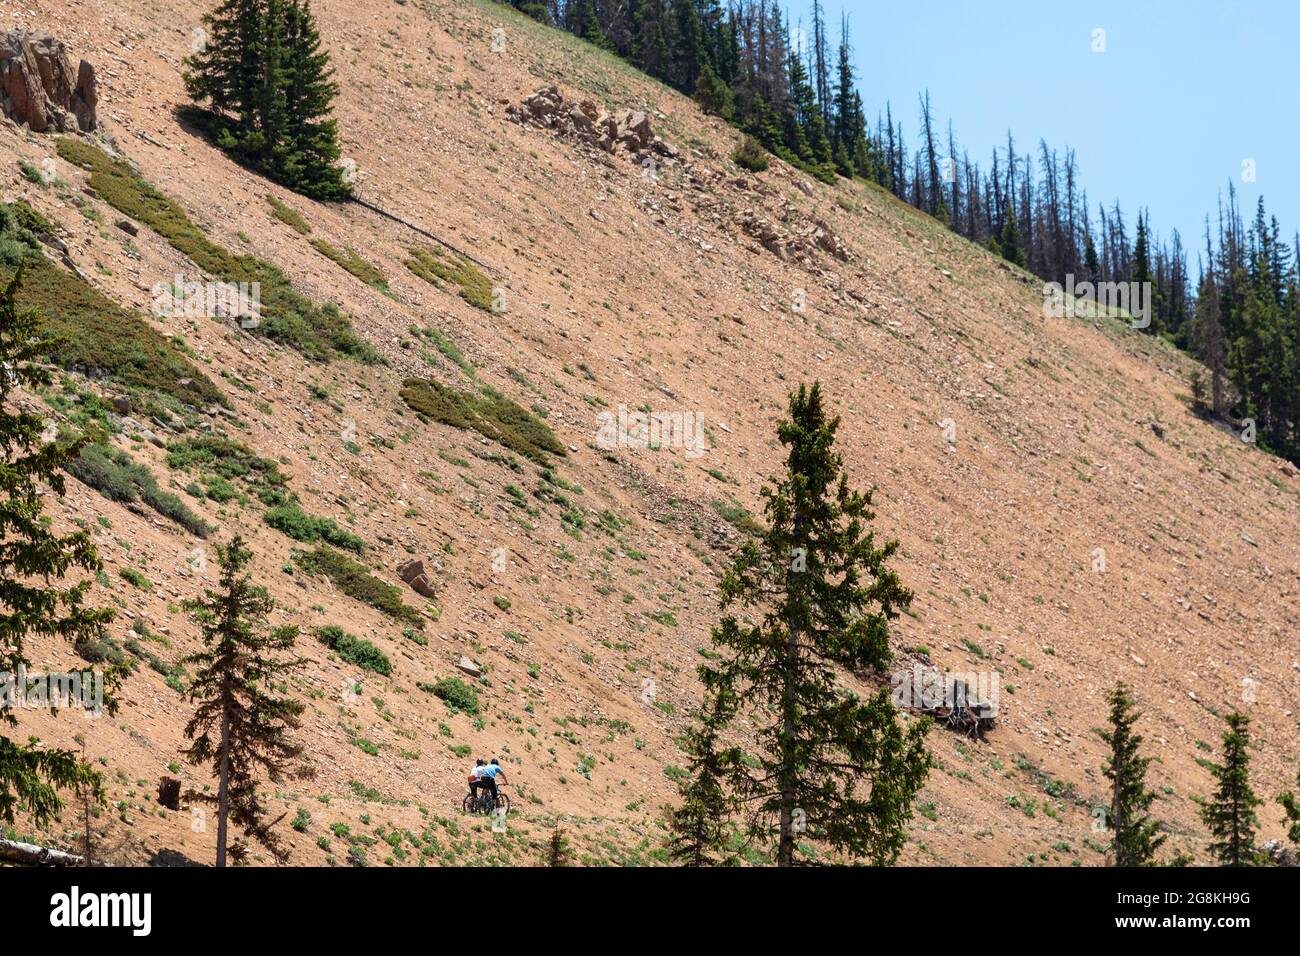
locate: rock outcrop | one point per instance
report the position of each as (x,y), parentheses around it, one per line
(412,572)
(794,244)
(627,130)
(39,87)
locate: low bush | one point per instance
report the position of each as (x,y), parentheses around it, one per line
(453,691)
(297,524)
(492,415)
(354,650)
(318,331)
(356,581)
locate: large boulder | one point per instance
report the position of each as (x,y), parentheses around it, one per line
(412,572)
(39,87)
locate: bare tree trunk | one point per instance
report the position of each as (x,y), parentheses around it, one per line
(223,789)
(12,851)
(785,850)
(85,806)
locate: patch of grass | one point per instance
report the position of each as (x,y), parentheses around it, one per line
(750,155)
(350,260)
(297,524)
(117,477)
(436,267)
(98,649)
(96,336)
(735,514)
(356,581)
(493,416)
(31,172)
(288,216)
(21,227)
(230,460)
(319,332)
(136,579)
(447,349)
(453,691)
(354,650)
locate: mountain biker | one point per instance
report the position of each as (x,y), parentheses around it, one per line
(476,777)
(489,778)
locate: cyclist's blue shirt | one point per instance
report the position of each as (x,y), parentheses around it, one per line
(491,771)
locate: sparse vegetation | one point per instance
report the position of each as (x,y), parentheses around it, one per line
(288,216)
(117,477)
(457,694)
(437,267)
(357,582)
(297,524)
(354,650)
(319,332)
(352,262)
(493,415)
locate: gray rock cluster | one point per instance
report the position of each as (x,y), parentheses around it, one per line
(627,130)
(794,243)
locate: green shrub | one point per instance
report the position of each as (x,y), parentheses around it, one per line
(319,332)
(31,172)
(436,267)
(20,229)
(231,460)
(117,477)
(455,693)
(98,649)
(750,155)
(354,650)
(297,524)
(447,349)
(351,262)
(491,415)
(94,333)
(136,579)
(357,582)
(288,216)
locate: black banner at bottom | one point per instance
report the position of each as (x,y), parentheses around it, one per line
(143,906)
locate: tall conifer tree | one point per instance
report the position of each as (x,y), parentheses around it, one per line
(810,600)
(1230,813)
(240,727)
(1136,839)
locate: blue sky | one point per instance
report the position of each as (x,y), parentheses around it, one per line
(1184,92)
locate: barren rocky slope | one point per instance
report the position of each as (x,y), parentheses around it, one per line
(693,287)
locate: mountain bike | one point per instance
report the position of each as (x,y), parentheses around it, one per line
(482,801)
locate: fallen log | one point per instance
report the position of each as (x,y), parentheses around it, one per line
(29,854)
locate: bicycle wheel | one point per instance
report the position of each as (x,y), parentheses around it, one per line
(503,802)
(467,804)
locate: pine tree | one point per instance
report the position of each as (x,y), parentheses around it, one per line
(1142,275)
(264,71)
(307,156)
(227,71)
(1291,808)
(687,44)
(698,825)
(1009,242)
(31,554)
(239,725)
(826,763)
(1135,839)
(713,95)
(1230,817)
(558,852)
